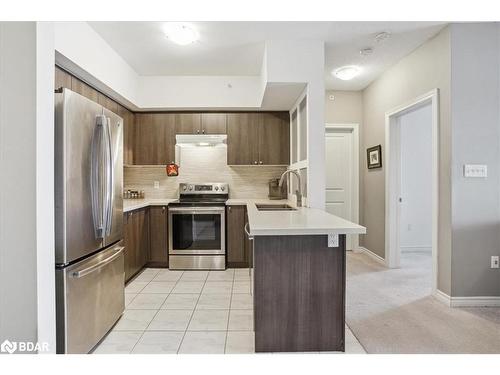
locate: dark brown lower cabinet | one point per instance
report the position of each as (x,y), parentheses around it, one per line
(237,247)
(158,236)
(136,239)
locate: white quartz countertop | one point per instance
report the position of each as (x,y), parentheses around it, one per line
(303,221)
(134,204)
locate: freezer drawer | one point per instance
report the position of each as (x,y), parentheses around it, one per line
(90,299)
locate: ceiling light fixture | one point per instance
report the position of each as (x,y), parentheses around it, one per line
(347,73)
(380,37)
(181,33)
(366,51)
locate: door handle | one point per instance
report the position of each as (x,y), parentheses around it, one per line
(102,263)
(110,196)
(97,153)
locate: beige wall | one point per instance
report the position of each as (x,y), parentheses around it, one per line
(426,68)
(347,107)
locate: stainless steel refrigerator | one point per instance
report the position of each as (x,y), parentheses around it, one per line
(89,221)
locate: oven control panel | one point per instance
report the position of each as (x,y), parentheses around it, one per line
(205,188)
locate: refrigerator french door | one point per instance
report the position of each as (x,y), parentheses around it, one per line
(89,221)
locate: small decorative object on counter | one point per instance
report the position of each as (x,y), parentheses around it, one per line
(172,169)
(134,194)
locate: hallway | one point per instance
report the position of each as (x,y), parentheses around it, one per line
(392,311)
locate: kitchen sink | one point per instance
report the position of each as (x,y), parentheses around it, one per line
(275,207)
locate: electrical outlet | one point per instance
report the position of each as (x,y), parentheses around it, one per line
(495,260)
(475,171)
(156,184)
(333,240)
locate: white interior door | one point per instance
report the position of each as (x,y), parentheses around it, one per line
(340,175)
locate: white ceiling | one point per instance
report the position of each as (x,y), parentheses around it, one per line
(236,48)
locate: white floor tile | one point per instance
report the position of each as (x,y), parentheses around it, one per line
(134,320)
(203,343)
(170,320)
(209,320)
(129,297)
(214,301)
(159,343)
(167,275)
(226,275)
(135,286)
(218,287)
(241,287)
(241,274)
(145,301)
(240,342)
(118,343)
(188,287)
(180,302)
(159,287)
(242,301)
(240,320)
(194,276)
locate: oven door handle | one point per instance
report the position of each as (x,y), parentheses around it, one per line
(197,209)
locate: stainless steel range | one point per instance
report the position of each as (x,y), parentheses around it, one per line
(197,221)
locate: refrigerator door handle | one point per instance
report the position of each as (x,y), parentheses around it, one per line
(109,165)
(97,187)
(94,267)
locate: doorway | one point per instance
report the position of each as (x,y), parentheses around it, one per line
(411,156)
(342,175)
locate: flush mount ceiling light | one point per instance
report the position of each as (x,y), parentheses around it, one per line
(180,33)
(347,73)
(380,37)
(366,51)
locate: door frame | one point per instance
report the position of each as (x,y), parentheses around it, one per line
(354,128)
(392,157)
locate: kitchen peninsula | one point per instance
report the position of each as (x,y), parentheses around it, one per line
(299,278)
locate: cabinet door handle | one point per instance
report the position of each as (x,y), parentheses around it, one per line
(260,162)
(198,131)
(163,209)
(255,162)
(229,208)
(203,131)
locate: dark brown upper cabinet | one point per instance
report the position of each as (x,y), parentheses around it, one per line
(274,139)
(200,123)
(83,89)
(62,79)
(128,134)
(187,123)
(258,138)
(107,103)
(213,123)
(154,138)
(243,138)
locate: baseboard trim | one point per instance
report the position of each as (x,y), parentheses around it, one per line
(372,255)
(481,301)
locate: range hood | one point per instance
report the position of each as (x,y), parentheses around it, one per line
(200,140)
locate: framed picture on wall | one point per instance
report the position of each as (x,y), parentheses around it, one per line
(374,157)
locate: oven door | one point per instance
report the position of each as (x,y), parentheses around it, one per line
(196,230)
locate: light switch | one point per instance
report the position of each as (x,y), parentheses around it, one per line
(475,170)
(156,184)
(333,240)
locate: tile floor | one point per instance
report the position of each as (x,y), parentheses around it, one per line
(189,312)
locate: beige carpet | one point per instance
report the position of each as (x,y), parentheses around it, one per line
(391,311)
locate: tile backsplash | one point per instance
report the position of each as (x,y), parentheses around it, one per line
(203,164)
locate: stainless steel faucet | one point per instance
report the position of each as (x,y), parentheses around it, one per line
(298,192)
